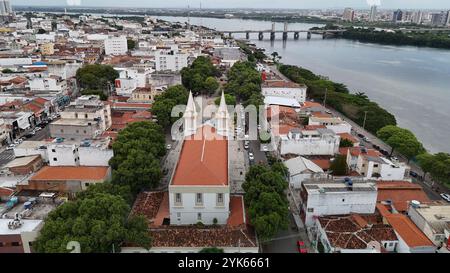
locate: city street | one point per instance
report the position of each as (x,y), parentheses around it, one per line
(286,241)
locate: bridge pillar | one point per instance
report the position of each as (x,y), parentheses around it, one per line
(308,36)
(285,36)
(247,35)
(296,35)
(324,35)
(229,34)
(272,36)
(261,36)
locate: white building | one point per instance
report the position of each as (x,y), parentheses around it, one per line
(434,221)
(377,167)
(329,197)
(284,89)
(130,79)
(16,236)
(85,153)
(309,142)
(199,190)
(55,84)
(300,169)
(335,124)
(86,118)
(116,45)
(170,60)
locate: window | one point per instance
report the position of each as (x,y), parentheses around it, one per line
(55,159)
(62,131)
(375,165)
(343,200)
(178,199)
(310,209)
(16,244)
(220,199)
(86,184)
(199,216)
(85,115)
(199,199)
(391,244)
(76,115)
(53,151)
(178,214)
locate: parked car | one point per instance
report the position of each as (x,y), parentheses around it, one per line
(10,147)
(38,128)
(169,146)
(413,174)
(265,148)
(361,136)
(394,158)
(301,247)
(251,156)
(445,196)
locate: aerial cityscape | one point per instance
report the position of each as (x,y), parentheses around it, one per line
(303,127)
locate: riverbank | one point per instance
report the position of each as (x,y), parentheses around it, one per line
(431,40)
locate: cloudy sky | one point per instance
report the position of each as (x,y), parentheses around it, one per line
(389,4)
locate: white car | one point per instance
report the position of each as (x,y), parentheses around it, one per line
(246,146)
(10,147)
(37,128)
(265,148)
(169,146)
(445,196)
(251,156)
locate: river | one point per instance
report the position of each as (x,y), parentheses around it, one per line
(412,83)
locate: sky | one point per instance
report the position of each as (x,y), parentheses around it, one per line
(294,4)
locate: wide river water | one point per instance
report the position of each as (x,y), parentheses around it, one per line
(412,83)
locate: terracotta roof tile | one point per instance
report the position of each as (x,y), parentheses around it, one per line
(400,193)
(71,173)
(203,160)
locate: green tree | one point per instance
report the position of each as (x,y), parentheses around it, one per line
(345,143)
(7,71)
(162,107)
(426,162)
(339,166)
(99,223)
(229,99)
(96,76)
(210,85)
(131,44)
(401,140)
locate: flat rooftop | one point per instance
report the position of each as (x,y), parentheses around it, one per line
(21,161)
(438,216)
(332,186)
(72,122)
(27,226)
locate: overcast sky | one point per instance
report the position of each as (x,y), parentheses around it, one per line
(298,4)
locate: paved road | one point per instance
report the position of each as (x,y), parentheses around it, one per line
(286,241)
(6,156)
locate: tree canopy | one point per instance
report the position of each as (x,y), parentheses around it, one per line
(401,140)
(200,77)
(98,221)
(162,107)
(339,166)
(229,99)
(438,165)
(264,188)
(138,150)
(96,76)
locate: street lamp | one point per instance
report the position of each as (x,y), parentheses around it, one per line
(365,118)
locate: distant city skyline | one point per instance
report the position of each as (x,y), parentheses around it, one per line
(281,4)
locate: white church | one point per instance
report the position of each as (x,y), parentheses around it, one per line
(199,189)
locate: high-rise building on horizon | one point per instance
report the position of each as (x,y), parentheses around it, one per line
(5,7)
(398,16)
(417,17)
(349,14)
(373,13)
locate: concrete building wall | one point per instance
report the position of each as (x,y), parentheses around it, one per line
(294,93)
(187,213)
(91,156)
(73,132)
(337,203)
(116,45)
(310,146)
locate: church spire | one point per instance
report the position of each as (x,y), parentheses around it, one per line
(222,117)
(190,117)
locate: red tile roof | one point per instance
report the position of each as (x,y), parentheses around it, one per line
(203,160)
(71,173)
(409,232)
(237,214)
(400,193)
(5,192)
(349,137)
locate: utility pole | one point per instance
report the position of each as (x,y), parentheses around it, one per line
(365,117)
(325,99)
